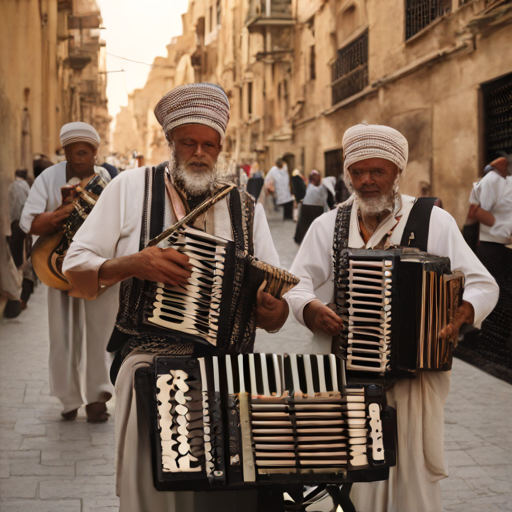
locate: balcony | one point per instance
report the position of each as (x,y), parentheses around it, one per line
(264,13)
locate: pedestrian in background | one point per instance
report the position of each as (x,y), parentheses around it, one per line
(313,205)
(491,210)
(74,379)
(19,242)
(277,182)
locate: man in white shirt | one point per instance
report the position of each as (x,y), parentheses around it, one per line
(376,215)
(278,181)
(491,205)
(73,322)
(194,118)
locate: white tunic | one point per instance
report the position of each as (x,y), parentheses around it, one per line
(79,330)
(414,483)
(281,180)
(494,194)
(111,231)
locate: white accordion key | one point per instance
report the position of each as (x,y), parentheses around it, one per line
(264,375)
(376,433)
(277,373)
(310,390)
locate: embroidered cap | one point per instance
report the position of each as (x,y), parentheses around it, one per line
(364,141)
(204,103)
(79,132)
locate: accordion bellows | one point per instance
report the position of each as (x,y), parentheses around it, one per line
(243,420)
(394,305)
(221,292)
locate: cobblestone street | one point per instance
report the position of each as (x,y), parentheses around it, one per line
(47,465)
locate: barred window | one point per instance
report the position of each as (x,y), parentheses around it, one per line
(421,13)
(498,117)
(350,71)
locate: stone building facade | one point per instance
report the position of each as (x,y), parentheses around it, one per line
(52,71)
(298,73)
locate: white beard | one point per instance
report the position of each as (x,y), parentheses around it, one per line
(193,183)
(378,205)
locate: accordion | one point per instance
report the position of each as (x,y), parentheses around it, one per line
(217,303)
(394,305)
(240,421)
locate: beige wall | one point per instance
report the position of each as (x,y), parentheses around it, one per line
(34,75)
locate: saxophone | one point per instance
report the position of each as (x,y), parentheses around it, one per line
(49,251)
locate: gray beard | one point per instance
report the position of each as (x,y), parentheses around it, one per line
(378,205)
(191,182)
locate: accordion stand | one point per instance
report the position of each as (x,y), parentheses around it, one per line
(267,422)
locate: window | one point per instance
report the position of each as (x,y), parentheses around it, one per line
(421,13)
(312,63)
(333,162)
(218,12)
(211,18)
(497,96)
(350,71)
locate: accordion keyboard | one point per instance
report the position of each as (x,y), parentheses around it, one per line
(286,414)
(367,313)
(195,308)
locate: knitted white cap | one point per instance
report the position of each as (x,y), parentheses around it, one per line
(204,103)
(79,132)
(364,141)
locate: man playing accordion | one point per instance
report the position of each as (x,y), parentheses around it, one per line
(112,246)
(375,217)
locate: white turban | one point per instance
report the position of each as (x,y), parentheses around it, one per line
(205,104)
(364,141)
(79,132)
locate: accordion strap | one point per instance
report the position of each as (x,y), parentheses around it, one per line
(188,219)
(418,223)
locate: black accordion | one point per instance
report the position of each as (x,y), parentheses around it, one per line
(217,305)
(394,304)
(237,422)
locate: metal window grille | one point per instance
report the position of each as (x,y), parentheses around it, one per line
(333,162)
(498,117)
(421,13)
(350,71)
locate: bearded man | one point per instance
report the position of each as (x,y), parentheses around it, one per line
(77,376)
(194,118)
(375,217)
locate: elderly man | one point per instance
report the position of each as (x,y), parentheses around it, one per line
(74,379)
(194,118)
(375,217)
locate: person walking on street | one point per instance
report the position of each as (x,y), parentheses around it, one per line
(74,379)
(278,182)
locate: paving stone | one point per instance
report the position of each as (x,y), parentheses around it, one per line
(5,468)
(94,467)
(18,487)
(101,505)
(40,506)
(31,469)
(78,487)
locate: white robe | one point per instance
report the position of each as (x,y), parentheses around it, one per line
(413,485)
(79,330)
(97,241)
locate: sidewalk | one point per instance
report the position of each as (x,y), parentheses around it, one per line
(47,465)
